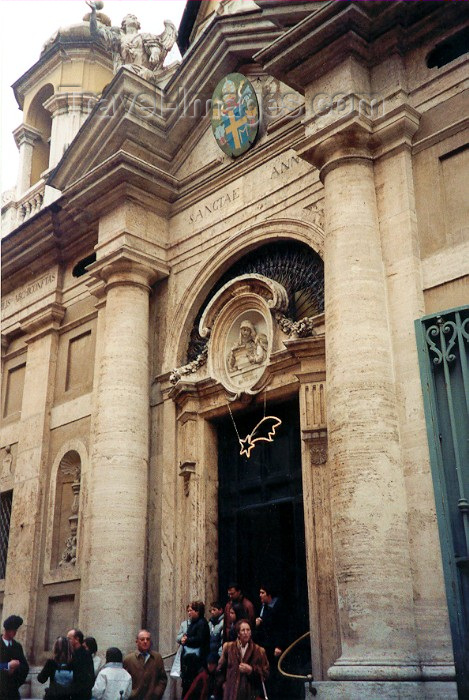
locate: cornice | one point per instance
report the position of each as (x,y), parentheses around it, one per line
(43,241)
(91,51)
(107,183)
(98,190)
(369,31)
(126,265)
(160,119)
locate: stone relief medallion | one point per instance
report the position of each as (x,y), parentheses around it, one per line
(239,324)
(247,348)
(235,114)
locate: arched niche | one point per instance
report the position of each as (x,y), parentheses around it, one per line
(65,506)
(39,118)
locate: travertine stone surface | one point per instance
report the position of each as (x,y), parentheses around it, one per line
(31,459)
(367,485)
(400,246)
(117,504)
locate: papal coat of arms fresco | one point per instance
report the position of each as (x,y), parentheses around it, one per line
(235,114)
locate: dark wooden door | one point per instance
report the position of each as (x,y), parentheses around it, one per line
(261,522)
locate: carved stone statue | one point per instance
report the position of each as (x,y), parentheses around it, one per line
(69,555)
(140,52)
(251,348)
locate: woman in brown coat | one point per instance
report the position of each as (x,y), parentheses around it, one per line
(243,666)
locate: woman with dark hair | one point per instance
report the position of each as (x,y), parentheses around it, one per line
(236,613)
(92,646)
(243,667)
(58,670)
(195,644)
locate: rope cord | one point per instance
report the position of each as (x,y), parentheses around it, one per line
(309,677)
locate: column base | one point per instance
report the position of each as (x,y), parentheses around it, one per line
(375,670)
(371,690)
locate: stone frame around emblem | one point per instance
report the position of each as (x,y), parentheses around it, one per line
(240,324)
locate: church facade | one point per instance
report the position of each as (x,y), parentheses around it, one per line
(235,337)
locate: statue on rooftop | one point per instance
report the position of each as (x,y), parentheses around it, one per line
(140,52)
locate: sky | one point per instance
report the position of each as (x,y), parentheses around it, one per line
(24,27)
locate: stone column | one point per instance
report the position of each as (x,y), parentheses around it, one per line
(368,499)
(113,583)
(30,471)
(25,138)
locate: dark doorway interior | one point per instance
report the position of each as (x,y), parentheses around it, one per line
(261,523)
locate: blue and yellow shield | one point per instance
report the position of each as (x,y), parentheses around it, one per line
(235,114)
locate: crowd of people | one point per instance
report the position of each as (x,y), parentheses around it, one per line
(231,656)
(234,655)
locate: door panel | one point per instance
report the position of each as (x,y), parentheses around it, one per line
(443,343)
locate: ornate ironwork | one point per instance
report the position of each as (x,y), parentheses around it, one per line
(447,339)
(298,268)
(5,515)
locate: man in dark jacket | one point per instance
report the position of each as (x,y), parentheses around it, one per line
(270,634)
(235,595)
(82,666)
(13,665)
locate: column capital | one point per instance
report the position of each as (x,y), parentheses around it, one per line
(128,266)
(43,321)
(394,130)
(63,102)
(347,138)
(26,134)
(356,136)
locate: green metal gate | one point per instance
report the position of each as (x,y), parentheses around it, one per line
(443,345)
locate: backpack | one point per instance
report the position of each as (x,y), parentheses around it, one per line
(61,686)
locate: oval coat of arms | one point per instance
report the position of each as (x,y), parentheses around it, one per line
(235,114)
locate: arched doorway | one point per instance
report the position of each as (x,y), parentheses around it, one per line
(267,517)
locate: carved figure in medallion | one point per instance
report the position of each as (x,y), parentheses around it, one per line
(250,350)
(140,52)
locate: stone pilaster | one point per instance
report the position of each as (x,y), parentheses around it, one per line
(325,634)
(25,138)
(401,257)
(32,454)
(113,582)
(368,500)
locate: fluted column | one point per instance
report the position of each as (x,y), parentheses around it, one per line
(25,138)
(113,583)
(367,487)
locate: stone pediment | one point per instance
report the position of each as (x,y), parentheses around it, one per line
(155,123)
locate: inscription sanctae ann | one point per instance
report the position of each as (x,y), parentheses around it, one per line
(217,204)
(28,290)
(283,166)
